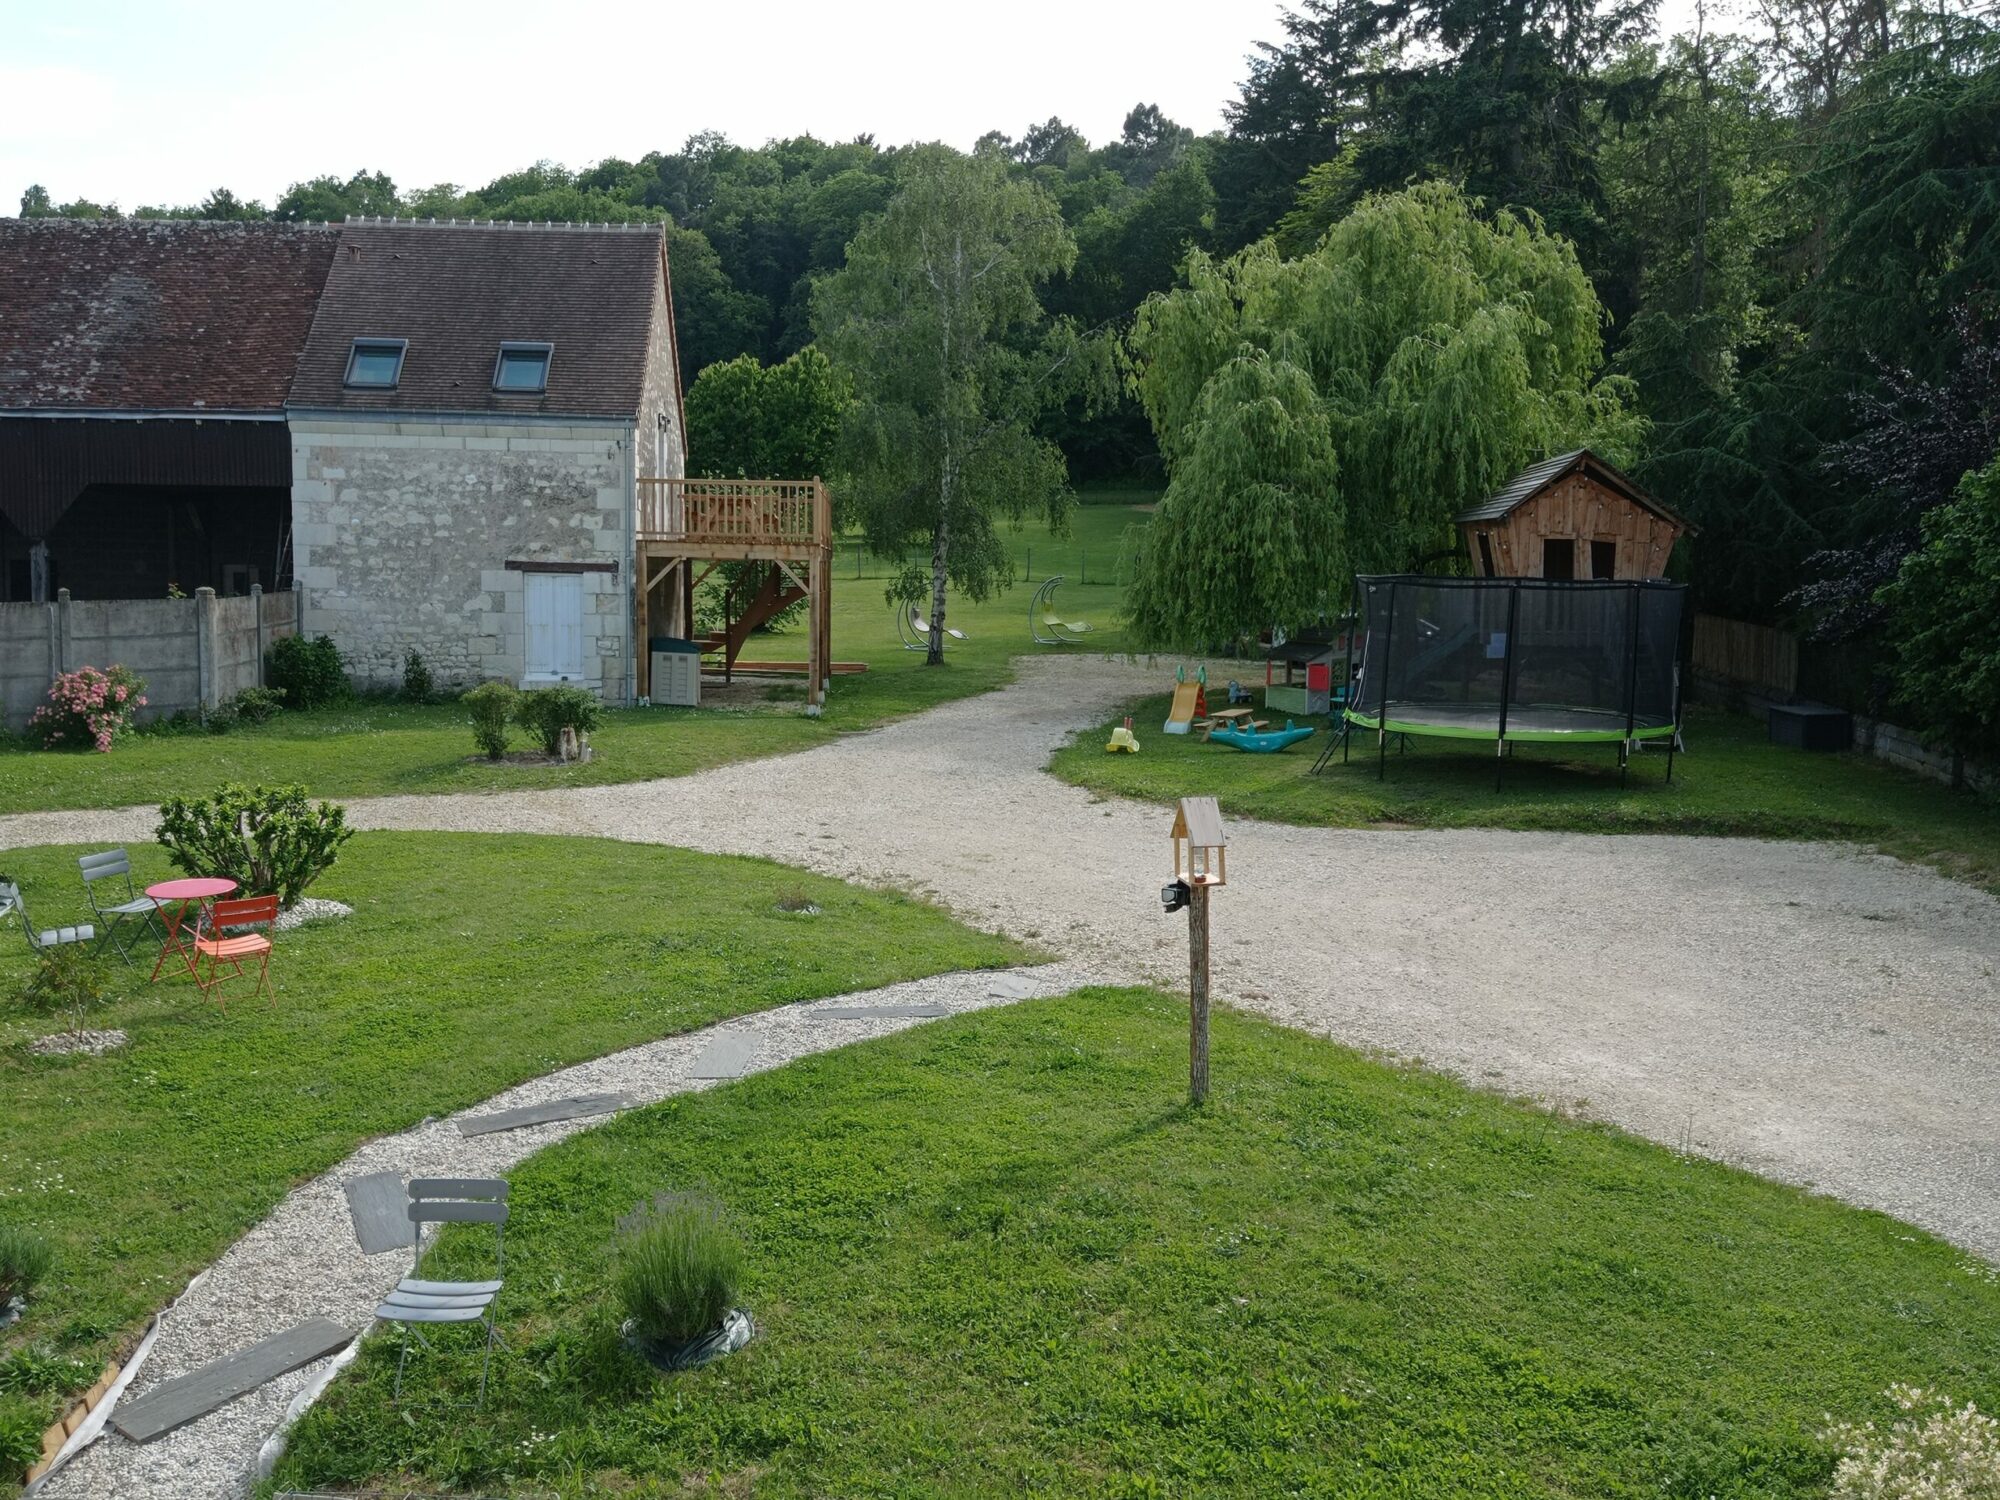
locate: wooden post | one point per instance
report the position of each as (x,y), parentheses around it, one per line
(1197,994)
(816,666)
(642,627)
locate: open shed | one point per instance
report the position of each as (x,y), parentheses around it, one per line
(1573,516)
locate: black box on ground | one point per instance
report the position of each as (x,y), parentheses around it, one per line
(1811,726)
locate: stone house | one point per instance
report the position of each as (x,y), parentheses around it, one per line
(435,432)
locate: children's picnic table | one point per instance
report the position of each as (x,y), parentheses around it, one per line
(175,897)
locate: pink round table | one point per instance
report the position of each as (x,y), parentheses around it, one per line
(174,898)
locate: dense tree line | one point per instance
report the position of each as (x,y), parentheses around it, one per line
(1787,234)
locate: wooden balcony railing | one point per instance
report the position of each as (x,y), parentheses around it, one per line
(735,512)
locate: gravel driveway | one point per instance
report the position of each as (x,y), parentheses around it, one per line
(1812,1011)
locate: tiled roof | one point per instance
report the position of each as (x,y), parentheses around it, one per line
(159,315)
(456,292)
(1532,480)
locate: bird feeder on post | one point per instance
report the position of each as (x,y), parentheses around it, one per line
(1200,864)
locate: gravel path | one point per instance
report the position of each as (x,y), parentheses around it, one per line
(303,1261)
(1815,1012)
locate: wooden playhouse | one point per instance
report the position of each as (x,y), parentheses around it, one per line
(1573,516)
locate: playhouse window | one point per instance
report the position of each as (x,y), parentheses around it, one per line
(1603,559)
(1558,558)
(376,364)
(1486,556)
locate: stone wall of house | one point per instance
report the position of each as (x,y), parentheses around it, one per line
(404,533)
(662,444)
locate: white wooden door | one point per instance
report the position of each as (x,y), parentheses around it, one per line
(554,607)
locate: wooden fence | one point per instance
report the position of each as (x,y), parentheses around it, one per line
(1753,656)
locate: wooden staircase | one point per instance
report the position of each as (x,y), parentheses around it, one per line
(777,594)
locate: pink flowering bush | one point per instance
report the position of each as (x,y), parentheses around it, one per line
(88,708)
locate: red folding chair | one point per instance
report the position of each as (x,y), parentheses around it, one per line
(222,949)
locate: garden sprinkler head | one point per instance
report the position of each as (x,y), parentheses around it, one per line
(1174,896)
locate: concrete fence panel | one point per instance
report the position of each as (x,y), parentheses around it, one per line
(193,653)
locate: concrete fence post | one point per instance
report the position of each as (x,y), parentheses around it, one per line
(204,648)
(62,647)
(257,610)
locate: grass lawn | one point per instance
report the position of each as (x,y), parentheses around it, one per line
(1731,781)
(998,1255)
(378,748)
(472,962)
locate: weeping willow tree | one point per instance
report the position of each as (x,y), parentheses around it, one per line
(1330,414)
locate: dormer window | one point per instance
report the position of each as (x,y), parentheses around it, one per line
(522,368)
(375,364)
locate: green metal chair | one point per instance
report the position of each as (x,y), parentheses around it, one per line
(140,910)
(41,939)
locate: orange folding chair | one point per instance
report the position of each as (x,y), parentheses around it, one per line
(215,943)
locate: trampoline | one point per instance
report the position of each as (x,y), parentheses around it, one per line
(1518,660)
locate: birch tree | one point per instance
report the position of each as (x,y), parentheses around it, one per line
(937,321)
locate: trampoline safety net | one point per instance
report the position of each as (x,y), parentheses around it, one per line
(1518,658)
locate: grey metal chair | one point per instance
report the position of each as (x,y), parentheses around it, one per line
(40,939)
(115,865)
(416,1302)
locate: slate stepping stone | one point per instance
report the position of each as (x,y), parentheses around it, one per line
(542,1114)
(869,1012)
(727,1055)
(1013,986)
(380,1208)
(177,1402)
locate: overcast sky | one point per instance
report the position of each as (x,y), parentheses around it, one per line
(158,102)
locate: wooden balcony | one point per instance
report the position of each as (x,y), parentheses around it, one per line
(684,523)
(728,519)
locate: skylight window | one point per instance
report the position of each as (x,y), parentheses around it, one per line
(522,367)
(376,364)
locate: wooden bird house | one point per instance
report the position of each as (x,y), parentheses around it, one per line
(1199,843)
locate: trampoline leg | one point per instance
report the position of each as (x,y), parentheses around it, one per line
(1624,762)
(1499,762)
(1670,759)
(1382,753)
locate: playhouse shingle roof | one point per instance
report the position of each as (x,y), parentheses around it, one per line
(1532,480)
(456,292)
(155,315)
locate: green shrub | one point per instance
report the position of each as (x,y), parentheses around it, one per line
(418,685)
(678,1266)
(547,712)
(255,705)
(492,706)
(251,706)
(21,1423)
(25,1258)
(309,673)
(44,1372)
(65,981)
(269,840)
(1941,607)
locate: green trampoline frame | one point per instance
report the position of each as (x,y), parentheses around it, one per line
(1414,722)
(1507,723)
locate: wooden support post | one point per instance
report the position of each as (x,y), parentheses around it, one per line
(1197,994)
(816,666)
(826,620)
(642,628)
